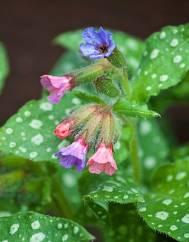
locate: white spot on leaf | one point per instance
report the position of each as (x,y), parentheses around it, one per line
(177,59)
(14,228)
(163,78)
(35,225)
(154,53)
(180,175)
(185,219)
(38,237)
(65,237)
(46,106)
(167,201)
(162,215)
(9,131)
(36,124)
(173,227)
(37,139)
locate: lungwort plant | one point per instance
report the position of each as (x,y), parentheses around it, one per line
(95,157)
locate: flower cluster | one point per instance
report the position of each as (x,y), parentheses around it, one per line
(93,125)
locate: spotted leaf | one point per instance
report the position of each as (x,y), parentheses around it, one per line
(119,188)
(29,133)
(4,68)
(165,62)
(131,47)
(166,207)
(34,227)
(150,137)
(117,192)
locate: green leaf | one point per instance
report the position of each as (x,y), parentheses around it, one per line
(4,67)
(29,133)
(26,186)
(165,62)
(166,206)
(150,137)
(119,188)
(134,110)
(130,46)
(115,191)
(34,227)
(126,225)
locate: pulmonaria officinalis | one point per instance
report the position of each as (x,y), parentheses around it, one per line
(97,43)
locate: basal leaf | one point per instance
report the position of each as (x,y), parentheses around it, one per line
(34,227)
(4,68)
(165,62)
(29,133)
(131,47)
(166,206)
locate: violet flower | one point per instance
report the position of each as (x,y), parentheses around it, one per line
(98,43)
(73,155)
(57,86)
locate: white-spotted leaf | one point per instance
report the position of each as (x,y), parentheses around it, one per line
(34,227)
(166,206)
(165,62)
(29,133)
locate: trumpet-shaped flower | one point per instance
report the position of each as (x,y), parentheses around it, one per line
(102,161)
(57,86)
(97,43)
(73,155)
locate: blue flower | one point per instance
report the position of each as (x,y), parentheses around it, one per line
(98,43)
(73,155)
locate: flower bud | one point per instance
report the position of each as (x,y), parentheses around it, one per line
(64,129)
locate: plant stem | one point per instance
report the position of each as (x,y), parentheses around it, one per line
(125,81)
(59,198)
(134,154)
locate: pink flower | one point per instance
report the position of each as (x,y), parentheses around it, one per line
(64,129)
(57,86)
(102,161)
(73,155)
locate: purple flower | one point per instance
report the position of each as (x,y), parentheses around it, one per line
(57,86)
(73,155)
(98,43)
